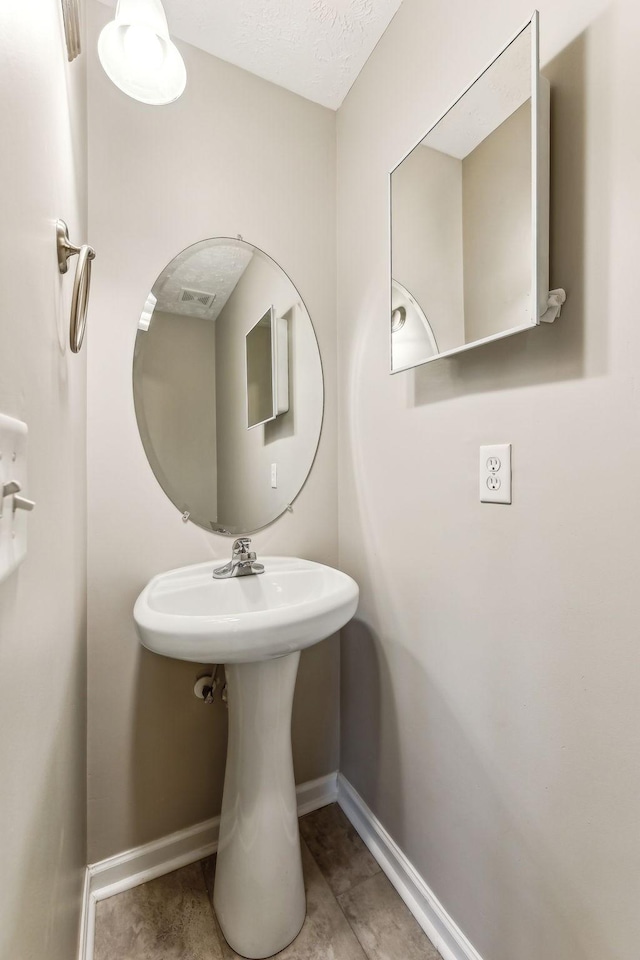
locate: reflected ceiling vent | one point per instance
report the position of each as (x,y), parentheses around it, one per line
(200,297)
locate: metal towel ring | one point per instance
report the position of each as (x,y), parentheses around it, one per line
(81,284)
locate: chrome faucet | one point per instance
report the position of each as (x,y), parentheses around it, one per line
(242,563)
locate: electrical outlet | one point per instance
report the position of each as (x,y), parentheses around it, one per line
(495,473)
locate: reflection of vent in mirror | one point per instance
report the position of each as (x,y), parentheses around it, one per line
(196,296)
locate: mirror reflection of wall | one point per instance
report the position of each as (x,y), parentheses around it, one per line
(462,238)
(175,395)
(496,229)
(190,387)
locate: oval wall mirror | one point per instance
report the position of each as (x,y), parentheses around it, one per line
(227,386)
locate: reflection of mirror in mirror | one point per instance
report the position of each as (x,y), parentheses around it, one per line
(267,349)
(462,241)
(225,344)
(260,381)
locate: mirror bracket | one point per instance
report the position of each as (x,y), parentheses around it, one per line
(554,305)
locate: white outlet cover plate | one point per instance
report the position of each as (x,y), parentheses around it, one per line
(13,466)
(495,473)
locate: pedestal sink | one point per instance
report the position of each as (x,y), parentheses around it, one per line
(257,626)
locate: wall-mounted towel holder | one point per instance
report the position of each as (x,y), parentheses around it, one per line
(72,32)
(81,284)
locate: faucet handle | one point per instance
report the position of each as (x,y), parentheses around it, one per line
(241,545)
(242,563)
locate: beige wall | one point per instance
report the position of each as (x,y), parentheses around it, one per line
(233,155)
(496,229)
(490,685)
(245,456)
(42,605)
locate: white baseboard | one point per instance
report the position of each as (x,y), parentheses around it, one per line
(441,929)
(136,866)
(317,793)
(151,860)
(85,910)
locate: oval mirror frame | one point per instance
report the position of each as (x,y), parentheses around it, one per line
(229,471)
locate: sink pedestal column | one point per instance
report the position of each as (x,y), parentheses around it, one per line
(259,892)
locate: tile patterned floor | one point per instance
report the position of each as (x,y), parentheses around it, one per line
(353,912)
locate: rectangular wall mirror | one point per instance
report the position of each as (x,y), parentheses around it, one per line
(267,357)
(470,215)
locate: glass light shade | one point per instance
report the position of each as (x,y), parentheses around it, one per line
(137,54)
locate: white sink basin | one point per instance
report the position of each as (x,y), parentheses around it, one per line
(188,615)
(257,626)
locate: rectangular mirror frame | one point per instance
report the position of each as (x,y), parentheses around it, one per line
(540,117)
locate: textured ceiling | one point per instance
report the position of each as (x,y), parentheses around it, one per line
(313,47)
(493,97)
(208,269)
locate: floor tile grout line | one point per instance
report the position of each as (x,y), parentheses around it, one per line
(354,931)
(335,898)
(358,883)
(353,885)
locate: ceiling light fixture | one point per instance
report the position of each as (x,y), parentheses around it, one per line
(137,54)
